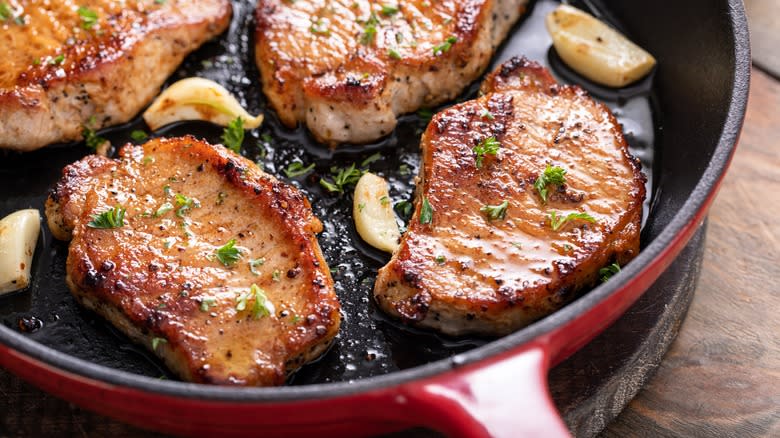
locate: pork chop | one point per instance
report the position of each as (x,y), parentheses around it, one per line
(67,65)
(491,247)
(215,265)
(348,68)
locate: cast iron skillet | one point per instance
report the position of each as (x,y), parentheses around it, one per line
(381,376)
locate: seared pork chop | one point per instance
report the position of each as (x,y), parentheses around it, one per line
(215,265)
(489,248)
(95,63)
(347,68)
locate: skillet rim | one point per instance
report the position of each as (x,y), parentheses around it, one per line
(698,200)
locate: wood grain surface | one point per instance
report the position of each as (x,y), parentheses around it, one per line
(722,374)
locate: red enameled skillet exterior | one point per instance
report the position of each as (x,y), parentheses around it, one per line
(498,389)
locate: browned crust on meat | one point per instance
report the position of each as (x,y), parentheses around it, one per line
(360,84)
(106,79)
(483,293)
(108,273)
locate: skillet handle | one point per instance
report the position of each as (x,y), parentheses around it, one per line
(507,397)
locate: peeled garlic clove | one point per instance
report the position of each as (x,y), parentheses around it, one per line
(18,237)
(197,99)
(595,50)
(373,213)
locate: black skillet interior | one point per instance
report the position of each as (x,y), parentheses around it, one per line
(368,344)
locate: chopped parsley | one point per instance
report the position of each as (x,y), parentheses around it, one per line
(185,203)
(552,175)
(158,341)
(111,218)
(393,54)
(319,28)
(495,212)
(403,170)
(139,135)
(91,139)
(370,159)
(361,206)
(369,30)
(517,245)
(57,60)
(228,253)
(445,46)
(277,275)
(5,12)
(233,135)
(440,259)
(255,263)
(425,113)
(263,306)
(384,200)
(165,208)
(207,303)
(557,222)
(342,177)
(404,209)
(607,272)
(297,168)
(89,18)
(488,146)
(389,10)
(486,114)
(426,211)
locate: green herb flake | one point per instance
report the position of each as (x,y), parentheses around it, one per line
(89,18)
(207,303)
(342,177)
(384,200)
(319,28)
(426,212)
(263,306)
(255,263)
(139,135)
(91,139)
(221,198)
(486,114)
(607,272)
(267,139)
(233,135)
(158,341)
(445,46)
(57,60)
(159,2)
(404,170)
(148,160)
(369,30)
(277,275)
(556,222)
(394,54)
(36,61)
(389,10)
(404,209)
(425,113)
(440,259)
(552,175)
(371,159)
(228,254)
(361,206)
(488,146)
(296,169)
(295,319)
(165,208)
(185,203)
(112,218)
(5,12)
(517,245)
(495,212)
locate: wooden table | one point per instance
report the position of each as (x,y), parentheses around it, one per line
(721,376)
